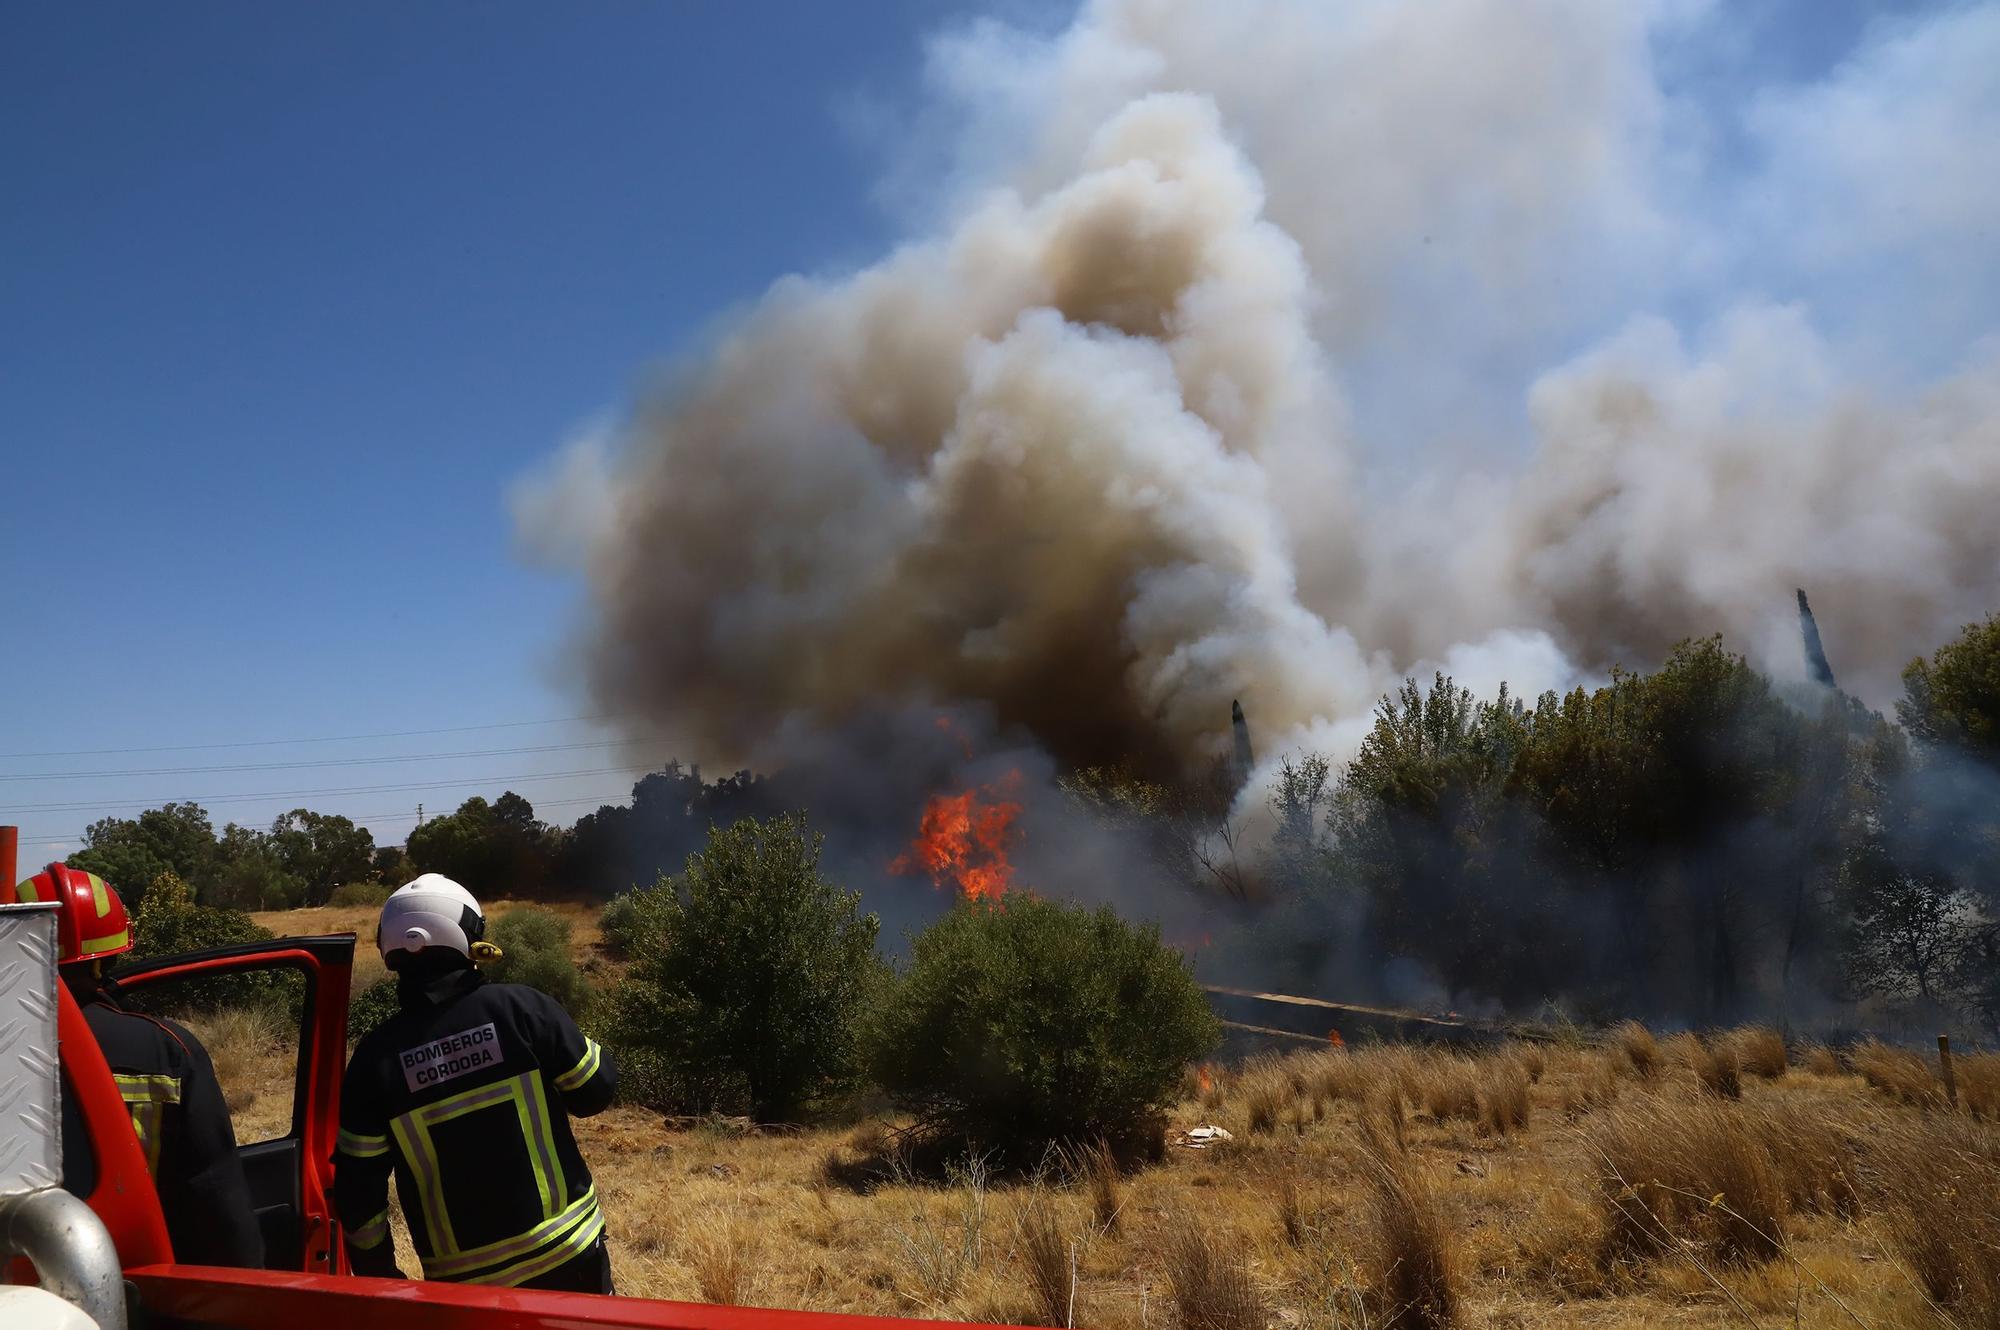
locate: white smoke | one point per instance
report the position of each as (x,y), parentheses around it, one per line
(1221,369)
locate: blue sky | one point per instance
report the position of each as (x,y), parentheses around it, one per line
(293,293)
(291,296)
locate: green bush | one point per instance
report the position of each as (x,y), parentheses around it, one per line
(369,1007)
(358,894)
(622,925)
(1026,1024)
(535,950)
(169,923)
(751,972)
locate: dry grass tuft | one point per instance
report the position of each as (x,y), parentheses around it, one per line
(939,1256)
(1641,1050)
(1414,1266)
(1979,1085)
(1267,1093)
(1594,1085)
(1290,1206)
(1823,1061)
(1898,1073)
(1503,1096)
(1532,1059)
(1936,1182)
(1208,1281)
(721,1254)
(1816,1151)
(1048,1258)
(1716,1068)
(1448,1087)
(1689,1176)
(1761,1051)
(1107,1192)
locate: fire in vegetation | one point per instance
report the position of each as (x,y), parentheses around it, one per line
(963,839)
(1333,1038)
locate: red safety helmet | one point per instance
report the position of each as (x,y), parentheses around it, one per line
(91,923)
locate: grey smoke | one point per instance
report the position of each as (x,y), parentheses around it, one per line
(1164,405)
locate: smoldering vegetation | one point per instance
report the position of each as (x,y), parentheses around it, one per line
(1189,384)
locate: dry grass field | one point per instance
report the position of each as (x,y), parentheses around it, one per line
(1639,1181)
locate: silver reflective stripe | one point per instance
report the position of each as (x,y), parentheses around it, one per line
(568,1249)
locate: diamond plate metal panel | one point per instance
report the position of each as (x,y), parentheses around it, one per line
(30,1077)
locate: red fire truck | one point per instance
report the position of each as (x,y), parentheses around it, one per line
(104,1249)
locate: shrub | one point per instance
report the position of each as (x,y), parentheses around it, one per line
(1936,1183)
(535,950)
(360,895)
(751,973)
(169,923)
(1027,1023)
(369,1007)
(623,925)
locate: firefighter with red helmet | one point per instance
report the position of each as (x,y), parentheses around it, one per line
(163,1075)
(464,1096)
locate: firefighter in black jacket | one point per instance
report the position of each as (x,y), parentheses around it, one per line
(163,1075)
(465,1095)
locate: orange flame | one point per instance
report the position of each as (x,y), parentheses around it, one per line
(964,838)
(1333,1037)
(1203,1078)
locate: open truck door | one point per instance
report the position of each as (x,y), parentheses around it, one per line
(303,983)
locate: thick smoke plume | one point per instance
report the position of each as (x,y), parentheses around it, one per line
(1277,350)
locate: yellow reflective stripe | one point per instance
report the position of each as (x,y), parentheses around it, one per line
(138,1087)
(585,1068)
(94,945)
(370,1234)
(98,896)
(542,1144)
(146,1096)
(360,1146)
(24,891)
(568,1249)
(424,1167)
(412,1132)
(508,1248)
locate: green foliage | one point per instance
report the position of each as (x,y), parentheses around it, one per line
(369,1007)
(620,924)
(1952,700)
(493,849)
(321,851)
(1030,1022)
(535,950)
(129,853)
(170,923)
(356,895)
(750,973)
(250,874)
(390,866)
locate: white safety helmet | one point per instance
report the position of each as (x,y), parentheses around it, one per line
(432,911)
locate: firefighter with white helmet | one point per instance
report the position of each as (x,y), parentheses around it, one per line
(464,1096)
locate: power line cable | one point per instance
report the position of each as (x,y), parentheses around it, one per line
(248,796)
(320,762)
(323,739)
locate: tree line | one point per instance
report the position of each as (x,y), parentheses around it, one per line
(1694,843)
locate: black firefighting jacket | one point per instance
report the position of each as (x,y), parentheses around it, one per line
(465,1096)
(169,1087)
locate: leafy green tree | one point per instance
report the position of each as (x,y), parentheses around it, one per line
(249,874)
(750,975)
(321,851)
(129,853)
(1028,1023)
(1952,700)
(390,866)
